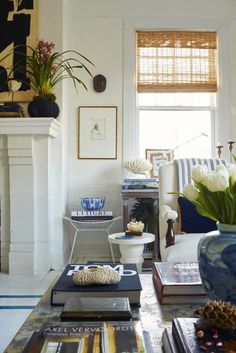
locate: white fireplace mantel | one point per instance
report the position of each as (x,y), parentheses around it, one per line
(29,126)
(27,174)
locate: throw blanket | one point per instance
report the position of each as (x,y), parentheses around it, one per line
(184,167)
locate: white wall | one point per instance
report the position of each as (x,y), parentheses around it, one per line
(101,41)
(51,29)
(104,32)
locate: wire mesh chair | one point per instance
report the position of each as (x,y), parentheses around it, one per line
(112,203)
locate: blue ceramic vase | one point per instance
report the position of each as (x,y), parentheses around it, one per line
(217,263)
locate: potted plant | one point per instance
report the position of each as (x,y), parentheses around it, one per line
(144,210)
(45,69)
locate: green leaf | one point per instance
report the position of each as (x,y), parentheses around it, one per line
(144,210)
(56,68)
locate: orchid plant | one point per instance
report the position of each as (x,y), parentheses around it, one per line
(214,193)
(46,68)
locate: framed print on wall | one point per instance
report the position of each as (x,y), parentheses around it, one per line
(18,28)
(158,157)
(97,132)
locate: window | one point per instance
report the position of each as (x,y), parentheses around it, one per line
(182,122)
(176,75)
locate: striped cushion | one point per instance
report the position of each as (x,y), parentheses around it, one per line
(184,167)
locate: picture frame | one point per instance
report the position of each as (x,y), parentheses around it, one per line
(97,132)
(20,27)
(158,157)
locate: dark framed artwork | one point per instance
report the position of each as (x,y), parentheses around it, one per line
(18,28)
(97,132)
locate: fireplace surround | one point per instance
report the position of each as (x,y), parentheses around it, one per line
(29,160)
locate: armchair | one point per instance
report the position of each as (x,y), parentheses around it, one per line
(172,177)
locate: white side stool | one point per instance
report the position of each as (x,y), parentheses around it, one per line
(131,248)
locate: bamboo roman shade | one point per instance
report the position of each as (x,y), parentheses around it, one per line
(175,61)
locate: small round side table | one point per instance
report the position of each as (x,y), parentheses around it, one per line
(131,248)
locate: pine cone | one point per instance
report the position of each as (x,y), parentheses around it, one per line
(218,314)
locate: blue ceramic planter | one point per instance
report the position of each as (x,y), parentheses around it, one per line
(92,203)
(217,263)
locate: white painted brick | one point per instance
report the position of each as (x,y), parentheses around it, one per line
(24,247)
(20,160)
(25,182)
(20,152)
(21,263)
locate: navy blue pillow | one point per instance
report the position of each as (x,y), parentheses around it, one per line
(191,220)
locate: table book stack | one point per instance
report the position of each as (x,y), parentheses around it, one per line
(89,337)
(140,183)
(99,317)
(178,282)
(11,110)
(129,286)
(91,215)
(182,337)
(77,309)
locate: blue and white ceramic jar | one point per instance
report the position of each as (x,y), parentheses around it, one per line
(92,203)
(217,263)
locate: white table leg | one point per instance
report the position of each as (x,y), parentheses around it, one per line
(73,245)
(110,246)
(132,254)
(111,253)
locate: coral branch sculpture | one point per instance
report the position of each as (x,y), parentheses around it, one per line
(98,275)
(138,166)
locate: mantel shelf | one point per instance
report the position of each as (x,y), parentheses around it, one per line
(29,126)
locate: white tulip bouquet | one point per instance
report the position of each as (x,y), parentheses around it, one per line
(214,193)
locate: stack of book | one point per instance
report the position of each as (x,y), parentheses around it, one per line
(77,309)
(8,110)
(129,285)
(91,215)
(140,183)
(89,337)
(178,282)
(184,337)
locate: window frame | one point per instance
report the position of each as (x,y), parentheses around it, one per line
(133,24)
